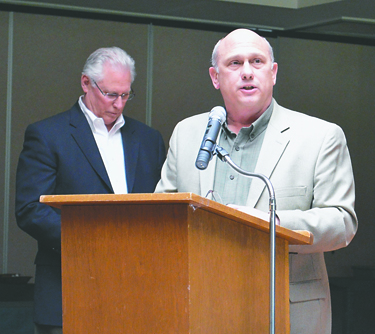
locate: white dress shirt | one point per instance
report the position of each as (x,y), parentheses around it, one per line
(110,148)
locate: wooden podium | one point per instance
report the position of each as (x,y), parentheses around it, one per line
(168,263)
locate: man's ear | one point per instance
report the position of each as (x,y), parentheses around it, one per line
(214,77)
(274,72)
(85,82)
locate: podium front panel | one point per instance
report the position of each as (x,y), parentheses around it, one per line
(125,269)
(229,277)
(167,268)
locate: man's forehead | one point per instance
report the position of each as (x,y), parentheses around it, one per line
(242,48)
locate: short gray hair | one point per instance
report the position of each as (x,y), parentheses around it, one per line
(115,56)
(215,55)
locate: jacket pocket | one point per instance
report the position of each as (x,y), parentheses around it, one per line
(293,198)
(290,191)
(305,291)
(306,276)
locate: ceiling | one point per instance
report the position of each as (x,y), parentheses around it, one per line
(353,20)
(295,4)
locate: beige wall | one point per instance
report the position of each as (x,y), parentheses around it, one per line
(329,80)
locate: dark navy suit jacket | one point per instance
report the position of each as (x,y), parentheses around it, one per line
(60,156)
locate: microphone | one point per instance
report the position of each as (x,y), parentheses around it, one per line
(216,118)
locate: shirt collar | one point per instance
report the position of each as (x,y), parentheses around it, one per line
(257,127)
(97,122)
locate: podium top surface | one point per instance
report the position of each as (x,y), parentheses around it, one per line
(60,201)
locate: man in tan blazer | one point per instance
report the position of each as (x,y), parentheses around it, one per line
(306,159)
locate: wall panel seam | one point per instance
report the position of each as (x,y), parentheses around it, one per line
(8,144)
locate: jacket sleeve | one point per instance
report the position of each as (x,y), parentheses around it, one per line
(331,217)
(168,181)
(36,176)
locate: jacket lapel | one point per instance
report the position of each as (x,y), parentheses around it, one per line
(131,149)
(84,138)
(275,142)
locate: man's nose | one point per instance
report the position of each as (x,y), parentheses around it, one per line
(247,71)
(119,102)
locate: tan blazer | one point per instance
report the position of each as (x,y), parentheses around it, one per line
(308,163)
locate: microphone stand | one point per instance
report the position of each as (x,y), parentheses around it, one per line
(224,156)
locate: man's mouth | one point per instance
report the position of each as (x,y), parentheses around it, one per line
(248,87)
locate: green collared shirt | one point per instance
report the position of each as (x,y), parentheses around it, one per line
(244,150)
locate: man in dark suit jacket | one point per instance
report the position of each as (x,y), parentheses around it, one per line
(90,149)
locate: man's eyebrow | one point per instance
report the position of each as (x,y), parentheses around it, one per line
(249,55)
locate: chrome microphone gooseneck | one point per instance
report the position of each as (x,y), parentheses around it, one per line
(224,156)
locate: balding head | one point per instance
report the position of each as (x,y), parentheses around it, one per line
(233,37)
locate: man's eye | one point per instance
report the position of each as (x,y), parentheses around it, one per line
(234,62)
(112,94)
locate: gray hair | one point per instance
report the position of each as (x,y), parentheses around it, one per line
(215,55)
(115,56)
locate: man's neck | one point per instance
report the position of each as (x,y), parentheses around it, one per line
(242,119)
(236,122)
